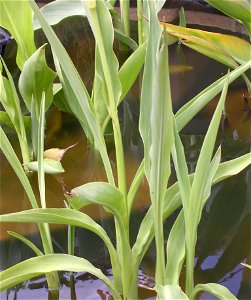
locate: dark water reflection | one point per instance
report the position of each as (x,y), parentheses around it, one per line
(224,232)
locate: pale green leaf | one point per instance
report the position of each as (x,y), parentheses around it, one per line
(51,166)
(48,263)
(173,201)
(239,10)
(147,91)
(102,27)
(27,242)
(218,290)
(19,27)
(36,78)
(101,193)
(170,292)
(56,11)
(175,250)
(69,217)
(192,107)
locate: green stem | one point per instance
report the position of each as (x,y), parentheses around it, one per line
(190,253)
(159,241)
(140,21)
(125,16)
(52,278)
(119,156)
(24,149)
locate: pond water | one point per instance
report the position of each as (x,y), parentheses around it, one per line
(224,231)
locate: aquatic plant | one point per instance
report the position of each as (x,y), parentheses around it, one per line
(159,128)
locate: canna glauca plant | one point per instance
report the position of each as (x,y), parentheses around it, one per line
(159,128)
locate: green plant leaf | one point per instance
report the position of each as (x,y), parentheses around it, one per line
(11,103)
(5,120)
(48,263)
(20,28)
(27,242)
(75,92)
(69,217)
(175,250)
(36,78)
(119,35)
(56,11)
(101,193)
(215,42)
(170,291)
(147,91)
(131,69)
(201,184)
(60,101)
(218,290)
(239,10)
(128,73)
(102,27)
(51,166)
(192,107)
(172,201)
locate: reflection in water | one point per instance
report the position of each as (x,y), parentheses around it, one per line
(223,237)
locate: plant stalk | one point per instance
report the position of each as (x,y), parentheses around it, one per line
(140,21)
(160,277)
(125,16)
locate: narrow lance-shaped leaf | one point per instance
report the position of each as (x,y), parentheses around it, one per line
(101,24)
(221,42)
(192,107)
(200,183)
(11,103)
(27,242)
(161,124)
(48,263)
(147,91)
(20,28)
